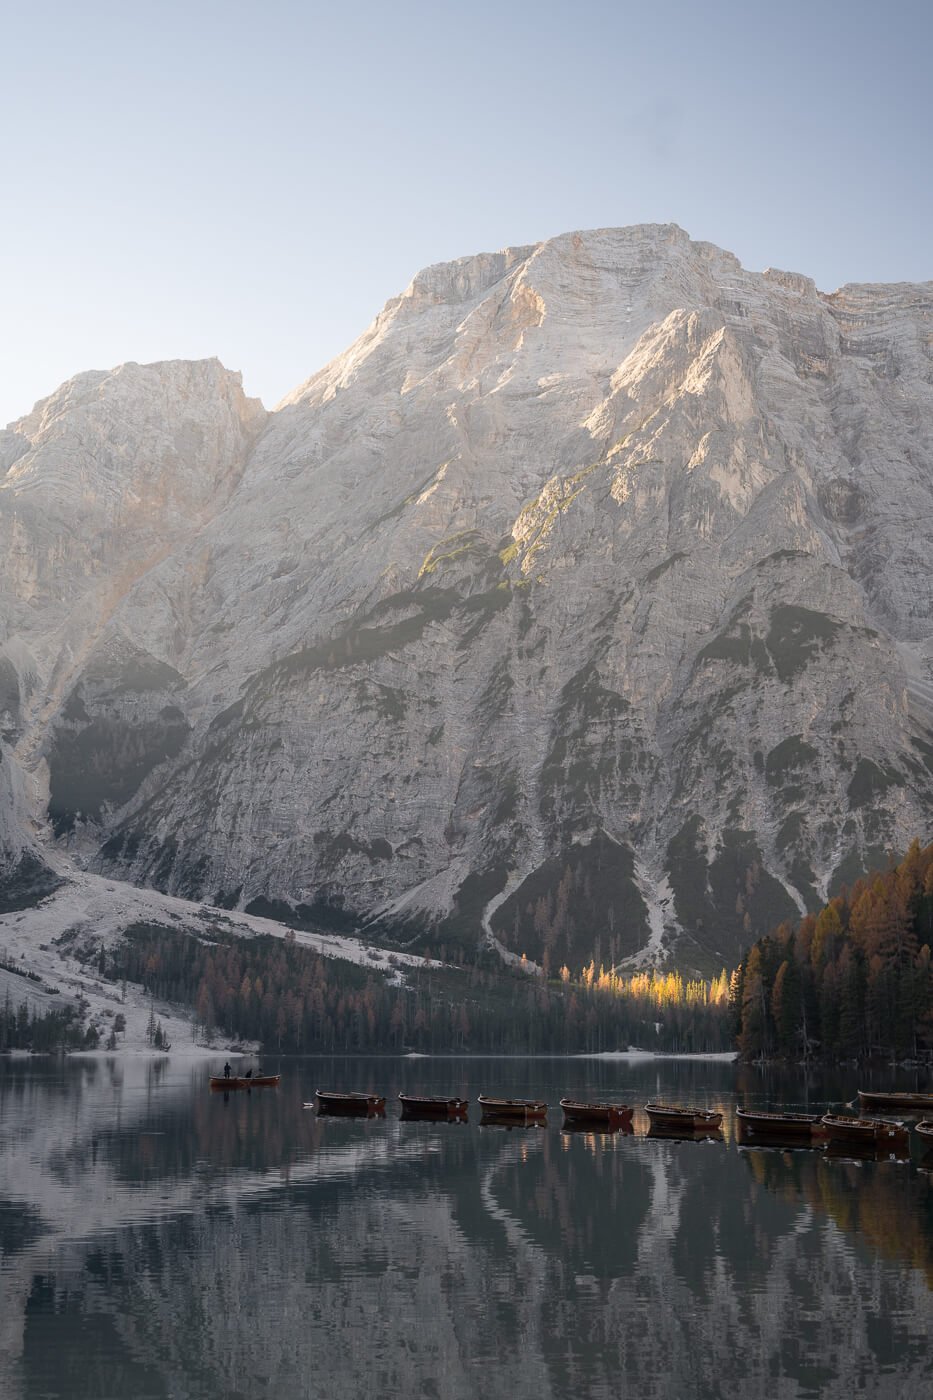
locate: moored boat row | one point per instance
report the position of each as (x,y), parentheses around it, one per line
(869,1131)
(664,1119)
(578,1113)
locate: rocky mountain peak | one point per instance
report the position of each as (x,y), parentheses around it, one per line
(580,607)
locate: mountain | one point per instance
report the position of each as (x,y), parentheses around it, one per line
(583,606)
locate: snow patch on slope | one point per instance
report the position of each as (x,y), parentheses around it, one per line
(99,910)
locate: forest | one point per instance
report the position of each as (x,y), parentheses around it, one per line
(293,1000)
(57,1029)
(853,981)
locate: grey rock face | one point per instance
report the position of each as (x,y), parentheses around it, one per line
(583,605)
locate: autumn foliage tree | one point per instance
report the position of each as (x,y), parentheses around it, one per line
(854,980)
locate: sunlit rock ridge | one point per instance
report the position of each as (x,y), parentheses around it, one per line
(583,606)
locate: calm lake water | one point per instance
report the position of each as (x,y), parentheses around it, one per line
(159,1241)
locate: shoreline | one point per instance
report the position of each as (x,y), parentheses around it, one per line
(197,1053)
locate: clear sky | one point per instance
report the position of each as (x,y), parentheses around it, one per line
(254,179)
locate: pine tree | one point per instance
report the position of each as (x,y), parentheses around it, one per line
(851,1003)
(753,1037)
(787,1007)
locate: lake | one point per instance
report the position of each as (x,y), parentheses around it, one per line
(157,1240)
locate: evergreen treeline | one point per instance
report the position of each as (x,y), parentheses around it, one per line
(291,999)
(22,1029)
(852,981)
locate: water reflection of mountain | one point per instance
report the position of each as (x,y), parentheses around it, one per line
(201,1249)
(538,1188)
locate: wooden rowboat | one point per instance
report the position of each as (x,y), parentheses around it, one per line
(907,1103)
(256,1081)
(513,1110)
(596,1115)
(424,1106)
(350,1105)
(803,1126)
(924,1130)
(883,1131)
(691,1119)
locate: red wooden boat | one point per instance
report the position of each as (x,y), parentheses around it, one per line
(426,1106)
(689,1119)
(351,1105)
(802,1126)
(596,1115)
(883,1131)
(255,1081)
(513,1110)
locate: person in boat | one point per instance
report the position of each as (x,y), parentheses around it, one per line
(248,1074)
(227,1070)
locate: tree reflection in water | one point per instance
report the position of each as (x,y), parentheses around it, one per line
(878,1203)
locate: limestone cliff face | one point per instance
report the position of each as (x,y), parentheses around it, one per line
(109,476)
(583,604)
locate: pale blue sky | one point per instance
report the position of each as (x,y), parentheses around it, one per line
(254,180)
